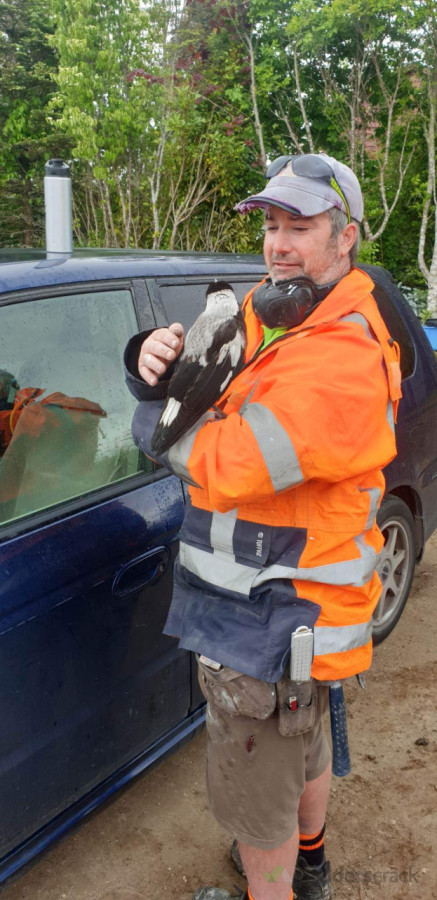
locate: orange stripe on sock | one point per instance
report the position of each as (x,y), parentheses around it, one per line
(251,897)
(309,837)
(312,846)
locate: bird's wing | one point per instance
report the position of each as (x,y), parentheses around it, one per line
(195,386)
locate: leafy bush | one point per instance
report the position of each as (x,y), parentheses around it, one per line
(416,297)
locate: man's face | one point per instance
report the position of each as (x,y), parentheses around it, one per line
(295,245)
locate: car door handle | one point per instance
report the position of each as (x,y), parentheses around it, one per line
(144,570)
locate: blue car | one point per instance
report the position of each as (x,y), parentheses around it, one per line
(92,692)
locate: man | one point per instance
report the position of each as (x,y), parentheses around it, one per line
(280,531)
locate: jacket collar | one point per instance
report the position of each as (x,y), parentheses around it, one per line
(351,290)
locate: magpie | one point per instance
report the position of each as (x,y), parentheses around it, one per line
(213,354)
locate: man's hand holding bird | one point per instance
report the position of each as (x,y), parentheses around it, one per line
(159,351)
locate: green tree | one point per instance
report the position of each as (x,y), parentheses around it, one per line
(144,139)
(108,113)
(27,65)
(168,111)
(426,82)
(360,50)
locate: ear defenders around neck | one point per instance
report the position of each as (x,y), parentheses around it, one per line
(287,304)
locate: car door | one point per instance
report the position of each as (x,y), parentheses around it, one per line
(88,534)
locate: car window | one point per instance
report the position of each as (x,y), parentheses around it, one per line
(184,302)
(65,412)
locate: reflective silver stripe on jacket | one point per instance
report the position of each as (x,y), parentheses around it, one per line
(391,416)
(222,531)
(218,569)
(360,320)
(339,639)
(180,452)
(374,495)
(354,572)
(221,569)
(275,445)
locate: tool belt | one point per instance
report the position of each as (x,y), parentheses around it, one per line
(295,704)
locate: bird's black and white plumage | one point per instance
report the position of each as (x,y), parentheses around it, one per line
(213,353)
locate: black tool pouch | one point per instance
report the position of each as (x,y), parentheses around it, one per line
(237,694)
(297,704)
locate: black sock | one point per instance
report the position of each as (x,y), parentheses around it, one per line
(312,847)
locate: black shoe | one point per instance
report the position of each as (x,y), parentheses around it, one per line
(312,882)
(213,893)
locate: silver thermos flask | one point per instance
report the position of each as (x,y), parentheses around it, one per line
(58,207)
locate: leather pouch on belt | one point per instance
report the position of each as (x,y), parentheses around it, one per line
(297,703)
(237,694)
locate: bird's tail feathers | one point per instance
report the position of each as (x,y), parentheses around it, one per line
(165,436)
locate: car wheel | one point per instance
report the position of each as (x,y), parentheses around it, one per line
(396,565)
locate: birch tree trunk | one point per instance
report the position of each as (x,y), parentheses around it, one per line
(258,126)
(430,273)
(301,101)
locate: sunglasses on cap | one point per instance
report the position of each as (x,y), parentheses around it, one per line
(309,166)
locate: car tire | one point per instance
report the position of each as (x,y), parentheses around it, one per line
(396,565)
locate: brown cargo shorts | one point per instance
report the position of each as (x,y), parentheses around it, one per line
(260,752)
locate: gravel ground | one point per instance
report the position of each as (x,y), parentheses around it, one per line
(157,841)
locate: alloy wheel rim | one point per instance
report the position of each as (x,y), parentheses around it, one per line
(393,570)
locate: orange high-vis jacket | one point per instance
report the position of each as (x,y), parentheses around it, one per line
(280,530)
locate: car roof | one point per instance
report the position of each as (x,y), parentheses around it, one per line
(24,269)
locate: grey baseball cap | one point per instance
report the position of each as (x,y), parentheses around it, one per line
(308,185)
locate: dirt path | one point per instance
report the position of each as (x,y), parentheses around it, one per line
(157,840)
